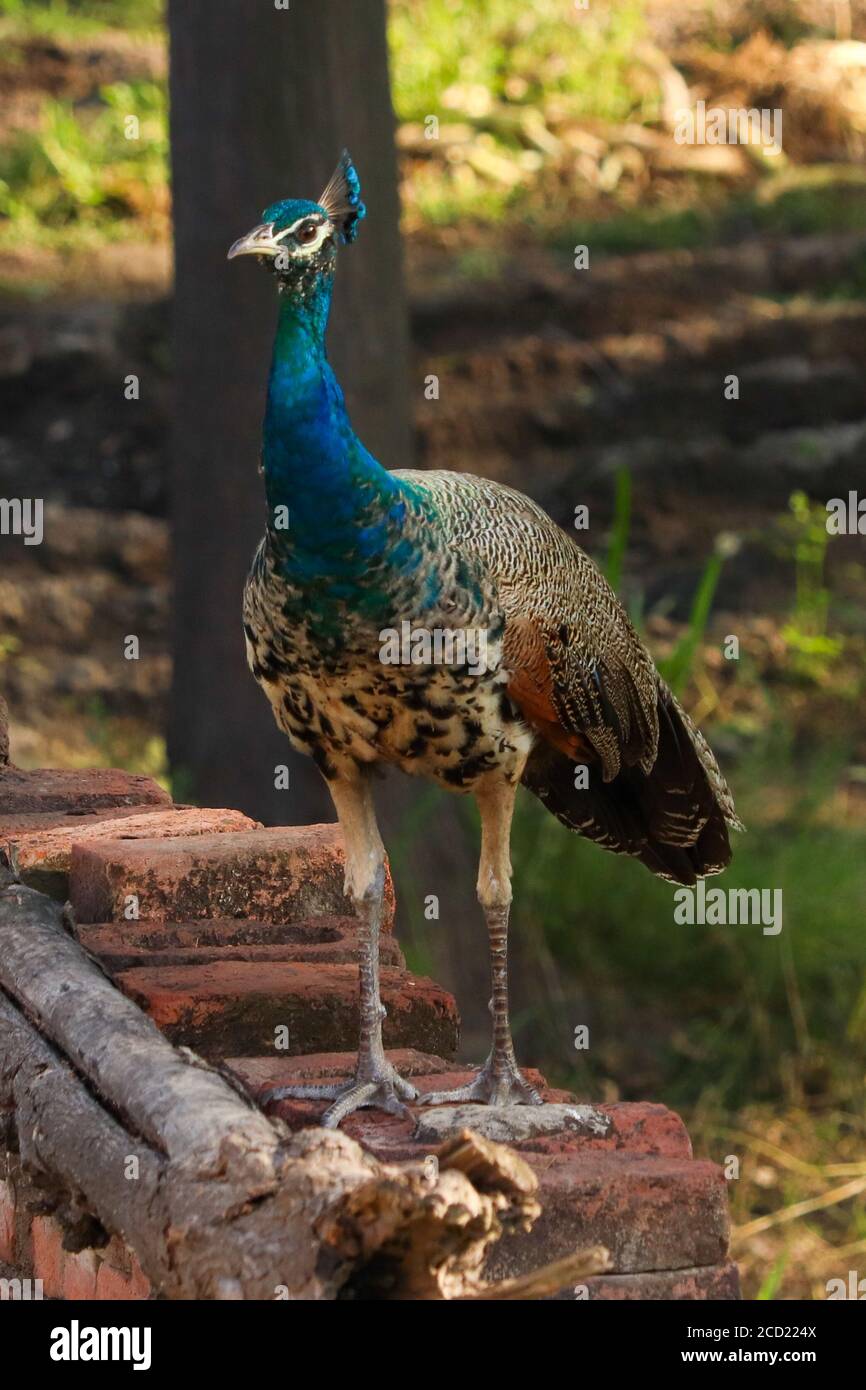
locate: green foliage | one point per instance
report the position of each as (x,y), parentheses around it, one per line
(719,1007)
(618,543)
(677,668)
(78,18)
(78,170)
(803,534)
(803,202)
(518,51)
(115,742)
(773,1280)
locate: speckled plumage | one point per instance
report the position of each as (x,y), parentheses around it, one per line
(560,644)
(567,681)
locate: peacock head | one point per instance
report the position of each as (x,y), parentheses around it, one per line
(298,240)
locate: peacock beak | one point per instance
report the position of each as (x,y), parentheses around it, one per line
(259,242)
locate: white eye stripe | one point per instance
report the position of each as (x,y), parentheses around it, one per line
(310,247)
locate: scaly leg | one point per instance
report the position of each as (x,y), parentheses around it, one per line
(499,1081)
(375,1081)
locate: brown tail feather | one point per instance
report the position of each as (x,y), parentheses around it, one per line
(674,819)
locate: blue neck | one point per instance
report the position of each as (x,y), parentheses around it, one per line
(314,463)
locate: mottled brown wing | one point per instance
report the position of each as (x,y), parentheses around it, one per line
(578,671)
(582,678)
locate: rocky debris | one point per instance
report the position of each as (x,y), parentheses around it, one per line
(508,1124)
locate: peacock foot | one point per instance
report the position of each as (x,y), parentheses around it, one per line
(499,1082)
(380,1086)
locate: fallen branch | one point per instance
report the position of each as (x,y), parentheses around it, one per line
(216,1200)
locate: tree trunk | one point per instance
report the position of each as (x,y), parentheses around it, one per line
(262,102)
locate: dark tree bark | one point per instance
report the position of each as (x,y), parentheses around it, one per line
(262,102)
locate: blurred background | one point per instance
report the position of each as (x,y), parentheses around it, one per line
(553,128)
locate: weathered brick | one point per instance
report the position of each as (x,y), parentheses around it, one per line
(651,1211)
(17,824)
(230,1006)
(276,875)
(62,789)
(7,1221)
(50,848)
(79,1274)
(112,1283)
(326,940)
(635,1127)
(43,854)
(261,1073)
(636,1190)
(706,1282)
(49,1256)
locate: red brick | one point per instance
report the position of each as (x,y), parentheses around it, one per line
(707,1282)
(225,1007)
(79,1274)
(18,825)
(637,1190)
(7,1222)
(114,1283)
(326,940)
(61,789)
(50,849)
(652,1212)
(277,875)
(635,1127)
(261,1073)
(49,1257)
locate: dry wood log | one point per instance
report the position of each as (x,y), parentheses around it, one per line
(218,1201)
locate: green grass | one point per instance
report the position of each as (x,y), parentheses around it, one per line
(752,1017)
(75,19)
(831,199)
(78,173)
(750,1014)
(519,52)
(711,1014)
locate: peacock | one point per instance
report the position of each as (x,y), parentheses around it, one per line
(443,623)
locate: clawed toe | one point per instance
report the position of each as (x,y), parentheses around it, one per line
(386,1091)
(382,1093)
(501,1085)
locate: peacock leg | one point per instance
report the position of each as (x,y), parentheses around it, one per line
(499,1081)
(376,1082)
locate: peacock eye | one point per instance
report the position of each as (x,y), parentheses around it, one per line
(306,233)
